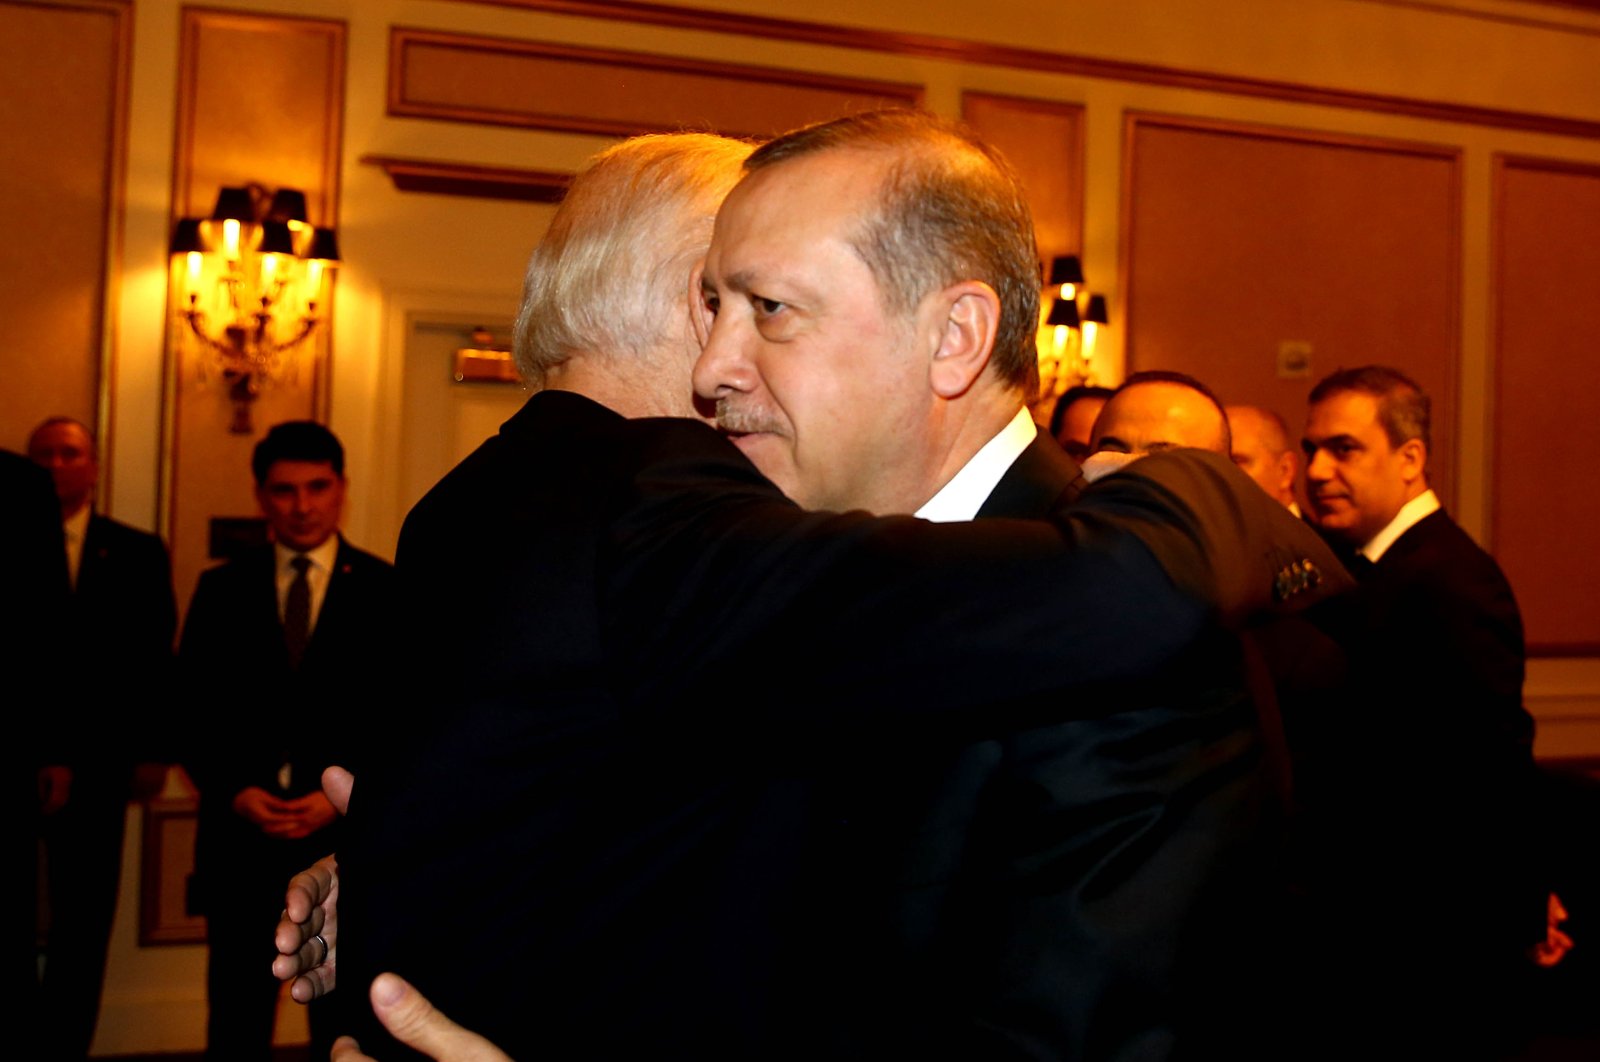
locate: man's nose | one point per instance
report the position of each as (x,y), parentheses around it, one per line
(1320,467)
(722,367)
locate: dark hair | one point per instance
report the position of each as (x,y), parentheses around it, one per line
(1403,407)
(296,440)
(1058,415)
(950,209)
(1182,379)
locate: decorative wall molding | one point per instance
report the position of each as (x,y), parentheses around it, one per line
(1043,141)
(930,46)
(468,179)
(65,135)
(1224,322)
(495,81)
(1542,322)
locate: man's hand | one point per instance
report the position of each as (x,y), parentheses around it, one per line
(412,1020)
(307,937)
(310,813)
(265,810)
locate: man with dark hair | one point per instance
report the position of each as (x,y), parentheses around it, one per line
(1072,421)
(1159,410)
(117,636)
(295,625)
(1429,888)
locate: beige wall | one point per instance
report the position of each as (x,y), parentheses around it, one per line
(1324,67)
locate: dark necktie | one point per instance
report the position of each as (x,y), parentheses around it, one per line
(1359,566)
(297,610)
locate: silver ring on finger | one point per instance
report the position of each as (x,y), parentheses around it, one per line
(319,939)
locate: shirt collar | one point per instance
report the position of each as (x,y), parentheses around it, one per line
(76,526)
(322,557)
(962,497)
(1411,513)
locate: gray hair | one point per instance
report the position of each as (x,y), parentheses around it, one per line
(613,266)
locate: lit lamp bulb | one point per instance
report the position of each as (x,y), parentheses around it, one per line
(230,238)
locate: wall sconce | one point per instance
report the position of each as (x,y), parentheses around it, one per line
(257,266)
(1072,317)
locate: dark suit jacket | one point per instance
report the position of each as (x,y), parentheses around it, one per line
(1071,890)
(642,659)
(122,618)
(1423,819)
(243,698)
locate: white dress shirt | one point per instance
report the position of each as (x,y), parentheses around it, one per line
(962,497)
(1411,513)
(75,529)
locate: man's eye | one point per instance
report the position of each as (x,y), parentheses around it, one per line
(766,307)
(711,302)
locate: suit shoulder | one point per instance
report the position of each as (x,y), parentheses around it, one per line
(114,534)
(360,560)
(1437,549)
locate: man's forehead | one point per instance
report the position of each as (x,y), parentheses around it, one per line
(61,433)
(299,472)
(805,192)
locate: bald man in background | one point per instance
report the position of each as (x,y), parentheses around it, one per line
(116,636)
(1153,411)
(1263,451)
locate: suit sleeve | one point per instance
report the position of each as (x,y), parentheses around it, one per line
(752,588)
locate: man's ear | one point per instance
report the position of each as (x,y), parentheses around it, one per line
(966,316)
(1414,459)
(699,316)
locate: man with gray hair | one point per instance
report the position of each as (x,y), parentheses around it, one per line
(666,657)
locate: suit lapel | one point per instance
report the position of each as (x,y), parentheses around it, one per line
(1041,477)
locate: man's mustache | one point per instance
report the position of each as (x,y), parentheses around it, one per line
(742,420)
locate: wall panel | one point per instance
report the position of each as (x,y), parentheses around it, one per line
(1043,140)
(1239,239)
(62,75)
(545,86)
(1546,435)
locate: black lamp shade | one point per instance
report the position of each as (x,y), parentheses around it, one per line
(236,204)
(186,237)
(276,238)
(288,204)
(324,245)
(1065,269)
(1097,310)
(1063,312)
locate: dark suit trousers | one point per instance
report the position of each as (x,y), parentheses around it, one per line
(240,989)
(83,862)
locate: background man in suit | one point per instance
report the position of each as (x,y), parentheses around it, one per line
(1263,450)
(1429,884)
(1157,410)
(30,614)
(651,790)
(1072,421)
(297,624)
(118,637)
